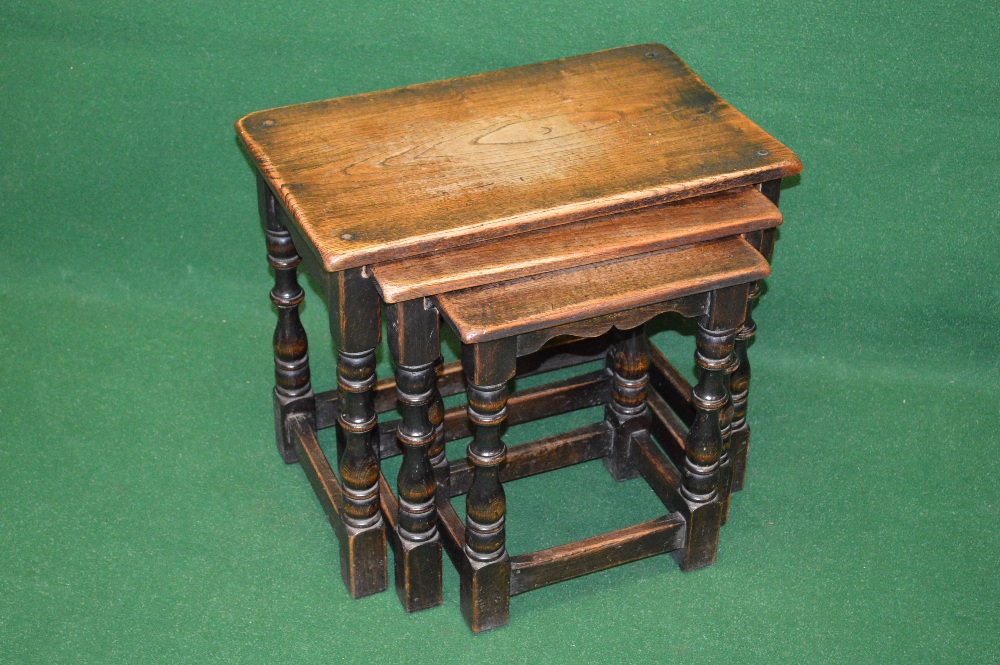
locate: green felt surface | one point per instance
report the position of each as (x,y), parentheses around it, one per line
(145,516)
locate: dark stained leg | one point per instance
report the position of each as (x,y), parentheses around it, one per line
(414,342)
(292,390)
(627,411)
(355,323)
(763,241)
(485,574)
(436,452)
(740,386)
(725,455)
(700,490)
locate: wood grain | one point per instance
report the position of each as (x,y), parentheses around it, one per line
(614,236)
(583,557)
(389,174)
(555,298)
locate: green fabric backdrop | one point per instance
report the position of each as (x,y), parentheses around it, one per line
(145,516)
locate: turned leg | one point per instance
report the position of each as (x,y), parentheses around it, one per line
(627,411)
(485,583)
(415,346)
(355,323)
(292,388)
(763,241)
(436,452)
(725,454)
(740,386)
(700,488)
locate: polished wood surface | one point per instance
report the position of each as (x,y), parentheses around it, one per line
(555,298)
(709,217)
(389,174)
(583,557)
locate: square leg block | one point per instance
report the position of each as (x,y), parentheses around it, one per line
(485,593)
(418,573)
(363,561)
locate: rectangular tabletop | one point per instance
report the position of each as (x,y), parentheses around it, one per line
(527,304)
(390,174)
(693,220)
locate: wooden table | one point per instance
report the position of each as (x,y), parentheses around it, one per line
(503,319)
(351,185)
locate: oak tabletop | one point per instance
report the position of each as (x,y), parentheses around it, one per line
(522,305)
(694,220)
(386,175)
